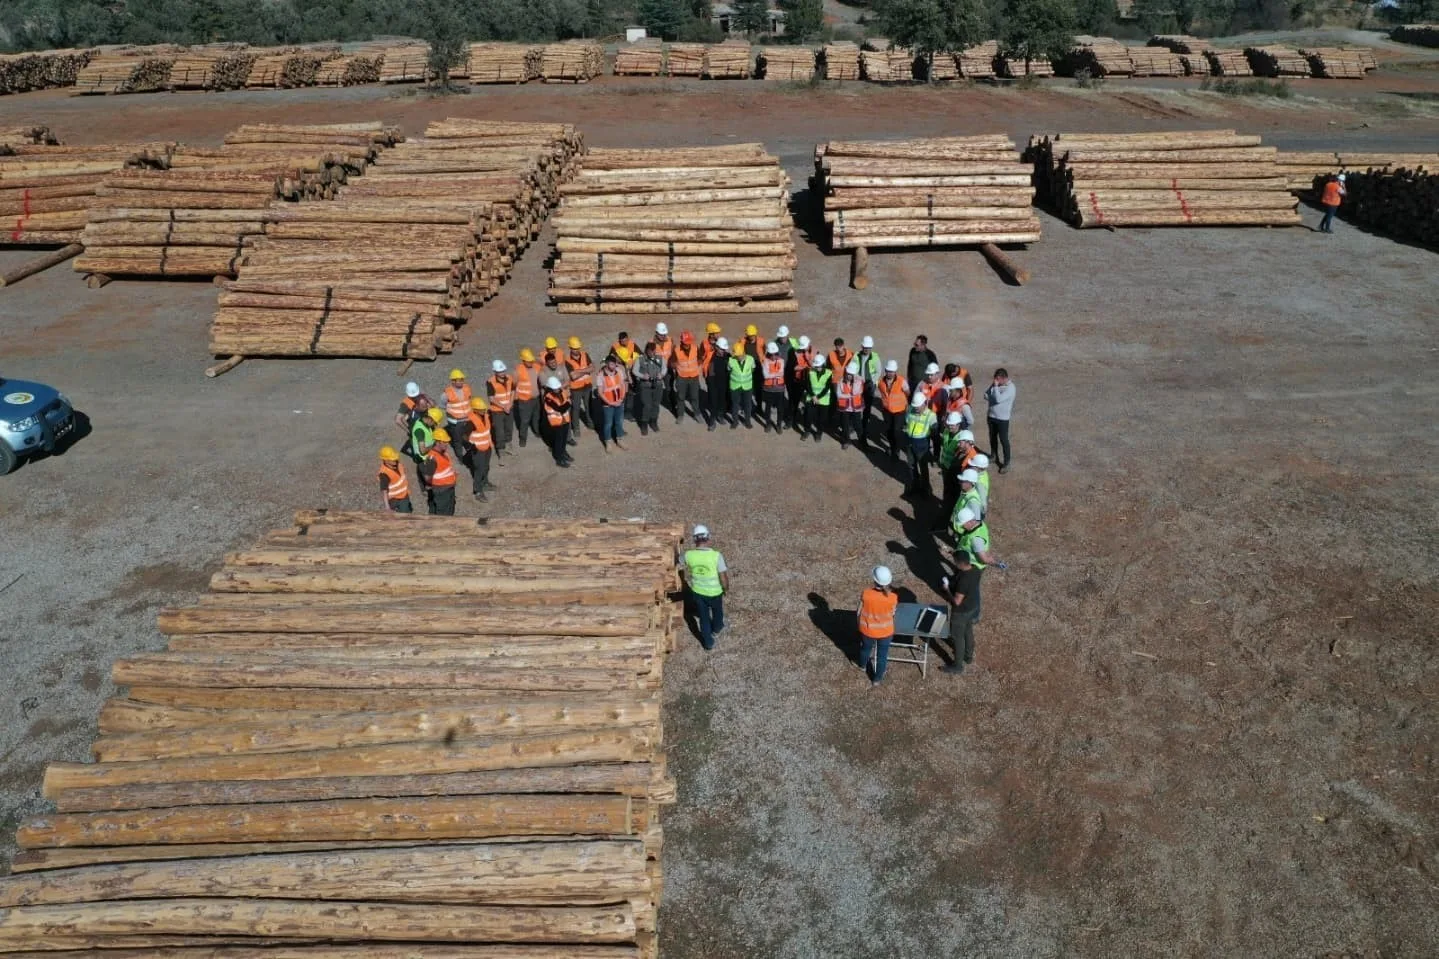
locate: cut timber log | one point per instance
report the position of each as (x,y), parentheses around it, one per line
(1015,274)
(40,264)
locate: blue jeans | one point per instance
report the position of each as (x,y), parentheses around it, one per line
(709,612)
(879,649)
(612,422)
(1327,225)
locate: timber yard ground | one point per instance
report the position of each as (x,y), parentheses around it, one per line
(1204,717)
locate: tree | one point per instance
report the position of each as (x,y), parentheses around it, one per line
(662,18)
(446,35)
(751,16)
(802,18)
(1037,28)
(927,27)
(1098,17)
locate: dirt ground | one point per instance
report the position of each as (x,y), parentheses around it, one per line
(1203,720)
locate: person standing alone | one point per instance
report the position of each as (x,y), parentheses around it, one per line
(876,624)
(1333,195)
(1000,397)
(962,593)
(707,578)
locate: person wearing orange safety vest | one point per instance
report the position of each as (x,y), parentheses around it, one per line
(614,386)
(581,373)
(413,405)
(801,358)
(665,348)
(687,370)
(892,393)
(481,442)
(437,472)
(628,352)
(553,369)
(714,361)
(557,420)
(877,605)
(839,357)
(651,371)
(1333,194)
(394,485)
(849,398)
(773,407)
(501,390)
(529,377)
(457,411)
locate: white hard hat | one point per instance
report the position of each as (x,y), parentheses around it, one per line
(979,461)
(1342,177)
(722,343)
(969,476)
(917,400)
(804,342)
(412,390)
(662,330)
(852,369)
(782,332)
(772,349)
(882,575)
(867,343)
(702,531)
(953,419)
(498,366)
(892,366)
(931,369)
(819,360)
(966,435)
(955,384)
(965,515)
(553,382)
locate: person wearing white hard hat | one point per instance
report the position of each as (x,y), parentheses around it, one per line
(950,443)
(1333,194)
(871,368)
(818,397)
(501,390)
(801,359)
(969,496)
(742,383)
(961,590)
(958,401)
(706,579)
(980,464)
(919,423)
(413,405)
(972,538)
(773,407)
(849,400)
(892,393)
(715,354)
(876,624)
(665,348)
(557,405)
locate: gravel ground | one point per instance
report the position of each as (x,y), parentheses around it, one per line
(1203,717)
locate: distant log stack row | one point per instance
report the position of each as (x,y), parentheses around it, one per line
(685,59)
(977,62)
(23,72)
(26,135)
(1180,178)
(1401,203)
(348,71)
(377,736)
(1180,43)
(1339,63)
(1097,57)
(952,191)
(675,230)
(1154,62)
(211,68)
(46,190)
(405,63)
(403,255)
(574,61)
(290,68)
(1016,67)
(124,73)
(645,58)
(1277,61)
(1228,63)
(792,64)
(1422,34)
(727,61)
(841,60)
(940,68)
(1301,167)
(895,65)
(502,63)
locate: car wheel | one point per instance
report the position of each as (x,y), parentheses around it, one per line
(8,459)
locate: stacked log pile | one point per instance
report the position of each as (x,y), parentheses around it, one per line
(675,230)
(977,62)
(46,190)
(685,59)
(1154,62)
(404,253)
(27,135)
(727,61)
(503,62)
(841,60)
(942,67)
(1277,61)
(1423,34)
(211,68)
(645,58)
(288,69)
(1181,178)
(574,61)
(125,73)
(405,63)
(951,191)
(23,72)
(1098,57)
(1016,67)
(1228,63)
(1402,203)
(348,71)
(1193,52)
(1301,167)
(894,65)
(376,736)
(794,64)
(1337,63)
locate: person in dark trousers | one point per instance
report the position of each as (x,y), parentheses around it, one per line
(920,358)
(394,485)
(650,375)
(870,369)
(962,593)
(741,389)
(687,373)
(717,382)
(797,370)
(1333,195)
(1000,397)
(818,398)
(774,404)
(557,418)
(918,425)
(706,579)
(479,446)
(437,472)
(892,393)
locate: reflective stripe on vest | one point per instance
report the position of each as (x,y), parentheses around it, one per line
(774,373)
(578,381)
(556,416)
(399,484)
(965,539)
(702,566)
(851,394)
(687,364)
(895,395)
(612,388)
(819,386)
(948,446)
(444,468)
(838,361)
(920,425)
(876,614)
(480,432)
(457,403)
(502,393)
(527,381)
(741,372)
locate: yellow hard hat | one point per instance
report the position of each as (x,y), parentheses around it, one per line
(387,453)
(751,330)
(527,355)
(575,343)
(712,328)
(551,342)
(435,415)
(442,436)
(478,403)
(457,374)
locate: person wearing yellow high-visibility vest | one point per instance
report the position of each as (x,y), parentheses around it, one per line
(818,397)
(980,464)
(741,388)
(706,580)
(919,423)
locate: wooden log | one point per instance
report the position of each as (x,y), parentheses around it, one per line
(1213,218)
(40,264)
(1009,269)
(859,269)
(205,948)
(224,366)
(717,306)
(390,699)
(477,618)
(599,588)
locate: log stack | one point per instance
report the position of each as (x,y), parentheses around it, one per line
(941,69)
(893,65)
(1015,67)
(950,191)
(348,71)
(1277,61)
(574,61)
(977,62)
(1337,63)
(675,230)
(1422,34)
(841,60)
(644,58)
(404,253)
(1097,57)
(1154,62)
(23,72)
(26,135)
(1193,52)
(405,63)
(46,190)
(143,72)
(1302,167)
(790,64)
(503,62)
(377,736)
(1228,63)
(212,68)
(727,61)
(1180,178)
(1401,203)
(685,59)
(287,69)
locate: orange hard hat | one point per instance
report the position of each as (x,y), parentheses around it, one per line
(687,337)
